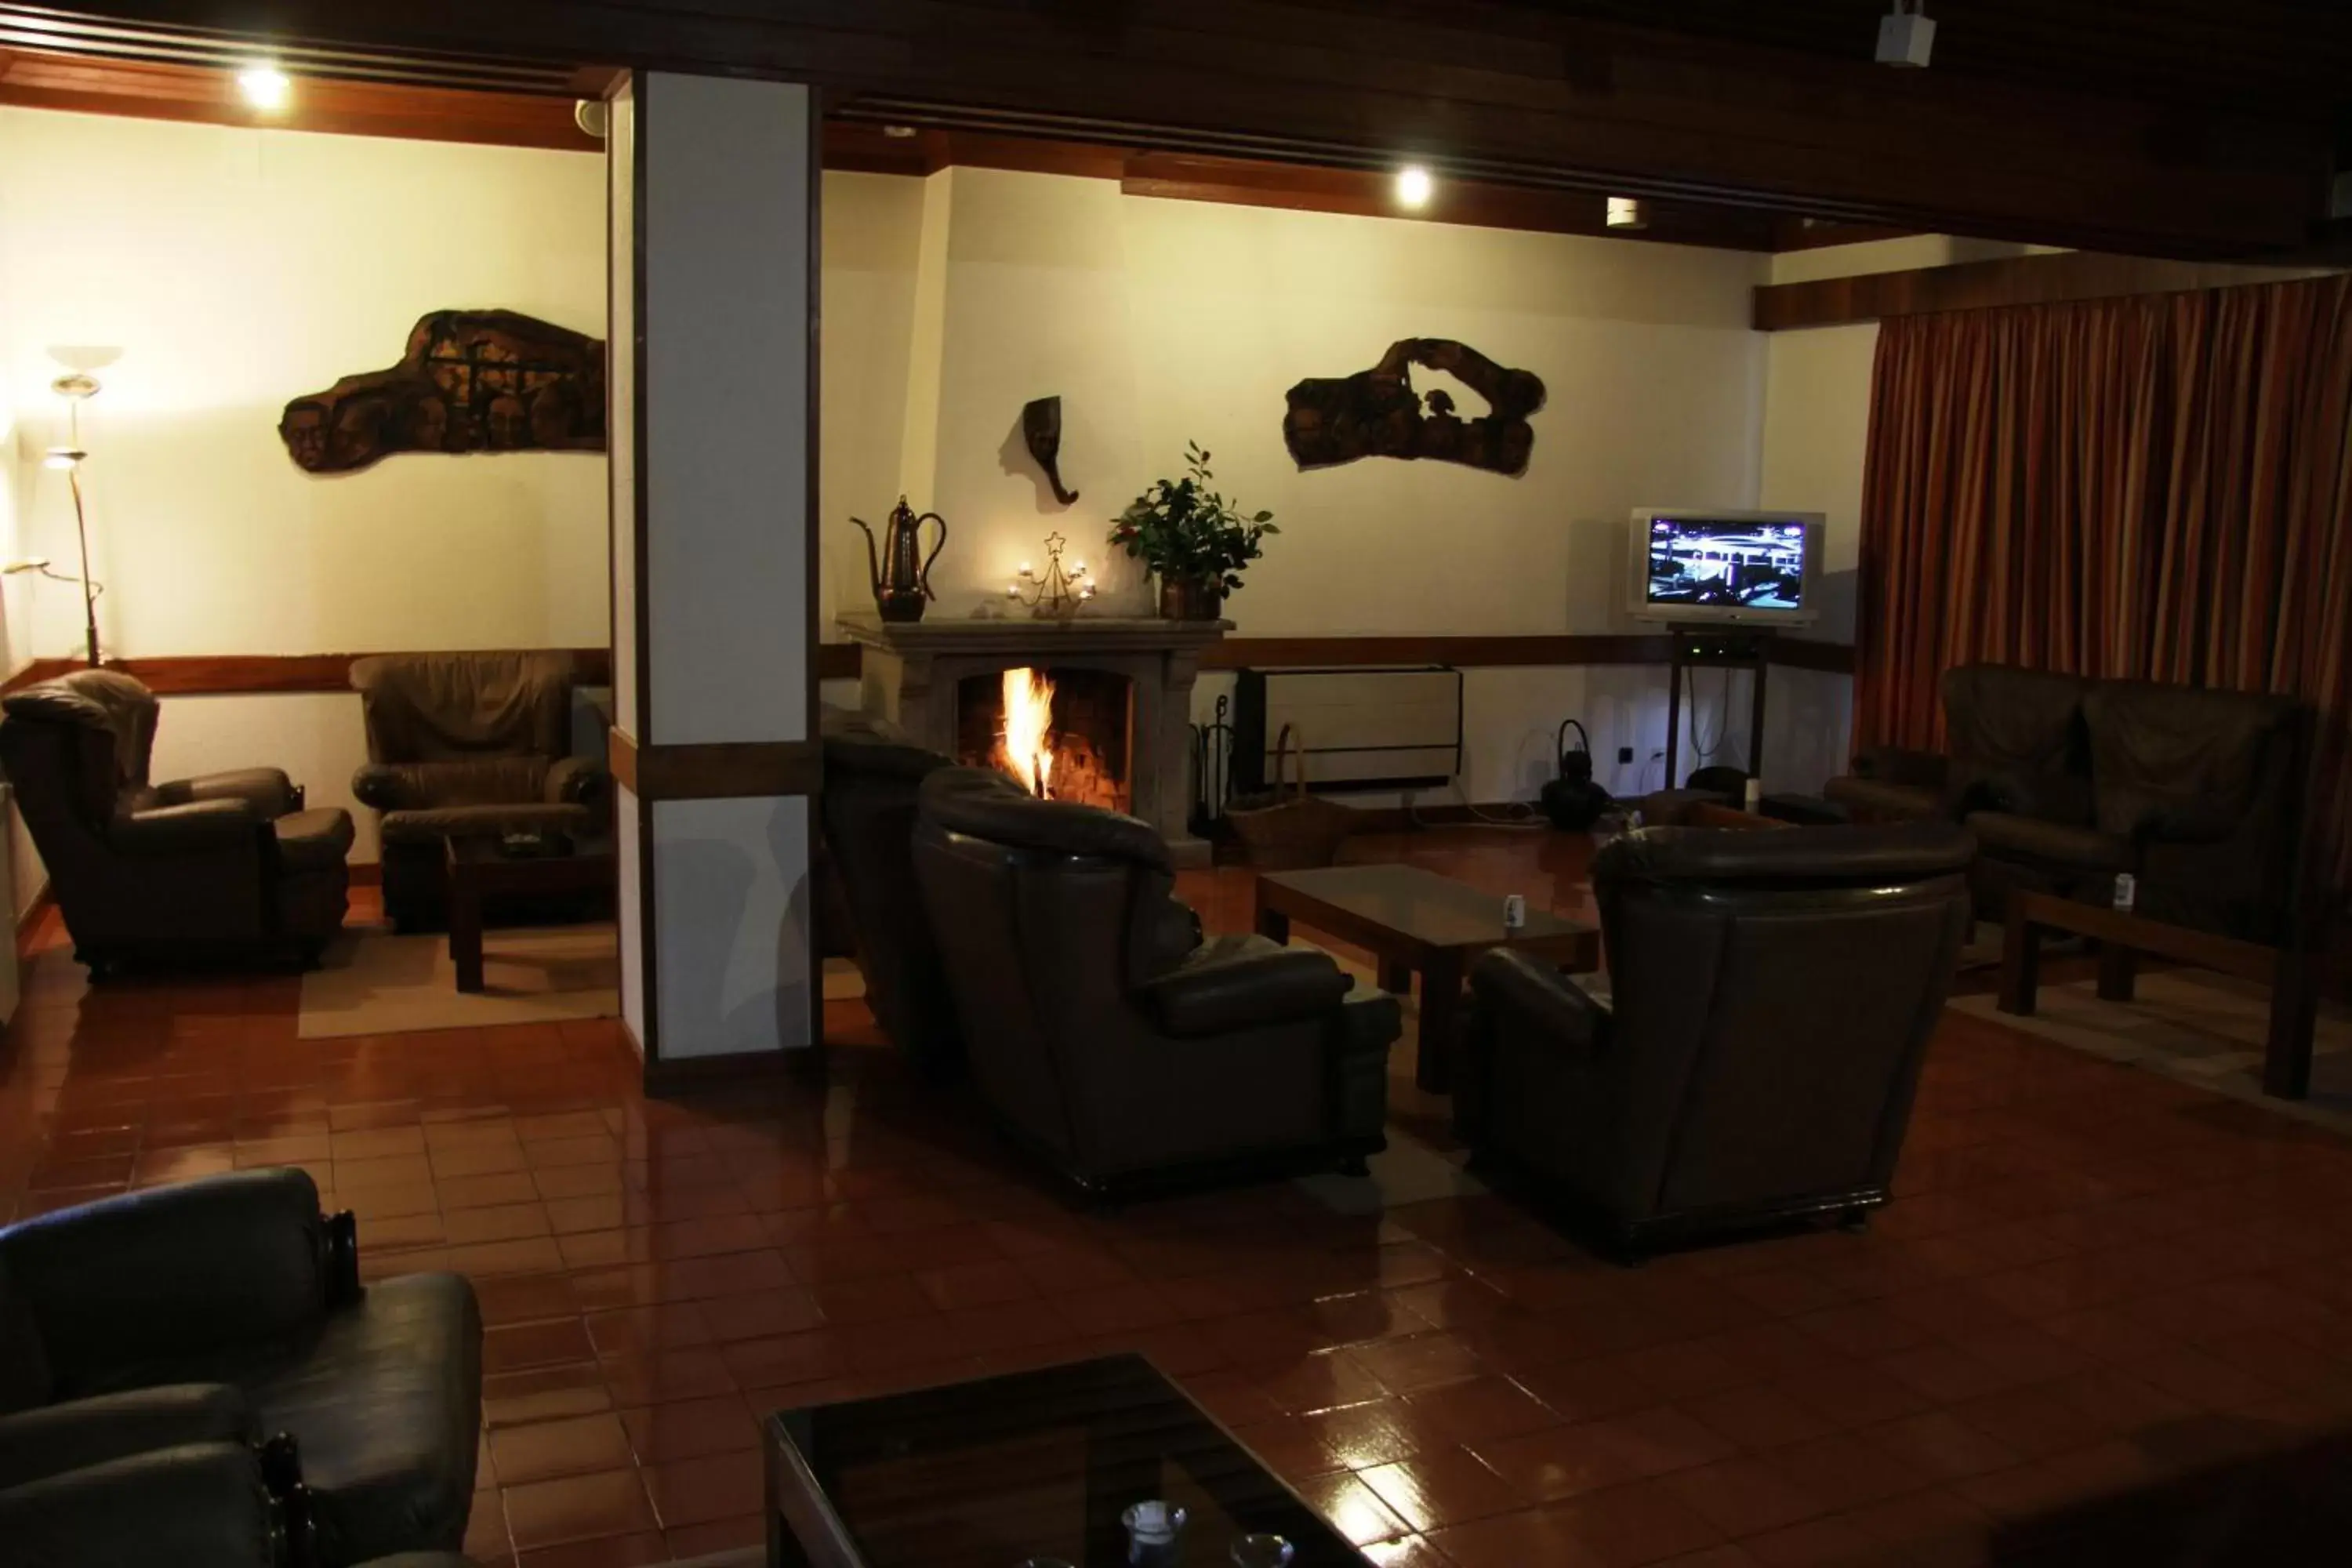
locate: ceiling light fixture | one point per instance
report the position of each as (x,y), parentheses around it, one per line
(1413,187)
(1906,36)
(266,88)
(1625,212)
(594,117)
(899,133)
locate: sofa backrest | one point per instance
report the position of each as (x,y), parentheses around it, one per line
(872,773)
(2017,741)
(1773,993)
(1040,909)
(449,707)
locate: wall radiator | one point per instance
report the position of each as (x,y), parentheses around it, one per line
(1364,728)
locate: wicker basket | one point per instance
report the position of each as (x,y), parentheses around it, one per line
(1294,832)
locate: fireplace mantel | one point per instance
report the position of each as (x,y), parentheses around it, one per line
(912,671)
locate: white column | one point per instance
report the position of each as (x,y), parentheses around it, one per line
(714,277)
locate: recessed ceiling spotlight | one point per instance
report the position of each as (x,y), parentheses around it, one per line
(266,88)
(1413,187)
(1625,212)
(899,133)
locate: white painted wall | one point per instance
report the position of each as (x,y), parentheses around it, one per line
(237,269)
(1159,322)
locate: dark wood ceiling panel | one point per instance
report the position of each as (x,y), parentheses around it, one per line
(1782,112)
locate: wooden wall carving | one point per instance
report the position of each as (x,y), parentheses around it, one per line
(1376,413)
(471,381)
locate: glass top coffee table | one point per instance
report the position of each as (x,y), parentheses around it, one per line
(1411,920)
(1037,1465)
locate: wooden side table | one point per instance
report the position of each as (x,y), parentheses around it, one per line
(480,869)
(2295,996)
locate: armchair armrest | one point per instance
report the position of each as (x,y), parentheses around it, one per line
(2174,822)
(197,825)
(577,781)
(1235,983)
(387,786)
(268,790)
(50,1439)
(1539,997)
(174,1272)
(199,1506)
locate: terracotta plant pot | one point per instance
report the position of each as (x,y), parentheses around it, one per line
(1186,599)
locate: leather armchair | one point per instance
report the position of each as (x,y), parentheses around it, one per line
(867,811)
(199,1505)
(229,864)
(1771,997)
(2201,792)
(468,744)
(227,1308)
(1104,1035)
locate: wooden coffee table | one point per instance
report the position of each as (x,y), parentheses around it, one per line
(2122,938)
(480,869)
(1413,919)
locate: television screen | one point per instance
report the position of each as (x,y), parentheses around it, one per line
(1736,565)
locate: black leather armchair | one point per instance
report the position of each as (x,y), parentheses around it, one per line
(867,809)
(468,744)
(1100,1028)
(228,1308)
(226,866)
(199,1505)
(1773,996)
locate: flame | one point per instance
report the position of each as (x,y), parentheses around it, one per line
(1028,748)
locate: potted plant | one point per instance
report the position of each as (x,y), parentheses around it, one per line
(1193,539)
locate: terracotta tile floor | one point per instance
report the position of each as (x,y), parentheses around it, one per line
(2094,1281)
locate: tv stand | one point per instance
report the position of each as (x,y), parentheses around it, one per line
(1715,647)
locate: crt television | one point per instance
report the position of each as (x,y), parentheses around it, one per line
(1760,568)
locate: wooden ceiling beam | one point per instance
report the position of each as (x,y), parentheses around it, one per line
(1985,284)
(202,95)
(1506,93)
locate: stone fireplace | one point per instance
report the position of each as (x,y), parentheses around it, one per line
(1116,728)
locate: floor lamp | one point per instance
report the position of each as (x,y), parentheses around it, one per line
(76,389)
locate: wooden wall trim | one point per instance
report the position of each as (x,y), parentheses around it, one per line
(715,770)
(2011,280)
(256,675)
(1489,653)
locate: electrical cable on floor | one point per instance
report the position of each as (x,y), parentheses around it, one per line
(1525,818)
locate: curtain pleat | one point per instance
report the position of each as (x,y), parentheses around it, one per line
(2157,488)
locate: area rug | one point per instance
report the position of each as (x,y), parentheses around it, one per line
(2198,1028)
(375,981)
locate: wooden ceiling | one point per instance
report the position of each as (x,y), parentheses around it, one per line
(209,94)
(2196,128)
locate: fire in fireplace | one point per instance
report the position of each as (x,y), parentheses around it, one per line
(1064,734)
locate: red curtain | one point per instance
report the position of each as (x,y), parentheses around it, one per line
(2157,487)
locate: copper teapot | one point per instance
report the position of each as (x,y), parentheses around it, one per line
(902,574)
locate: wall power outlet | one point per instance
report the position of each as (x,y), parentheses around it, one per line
(1625,755)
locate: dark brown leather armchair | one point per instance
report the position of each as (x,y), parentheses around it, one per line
(1104,1033)
(2017,744)
(221,1310)
(226,866)
(1773,994)
(872,773)
(465,744)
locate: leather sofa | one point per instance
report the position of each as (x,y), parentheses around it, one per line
(468,744)
(2067,783)
(1771,995)
(1104,1033)
(195,1505)
(872,773)
(226,866)
(226,1309)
